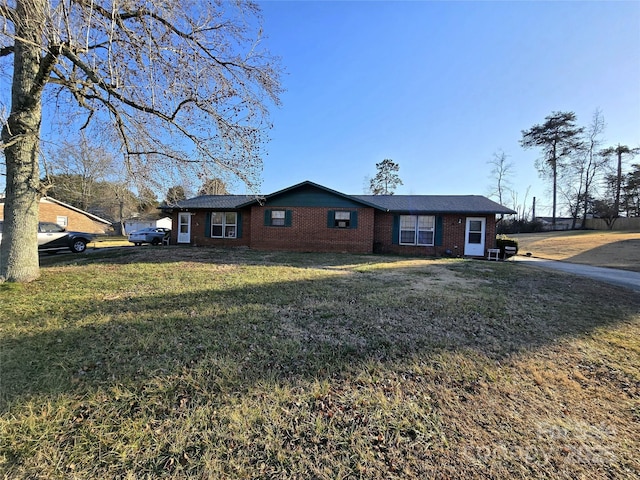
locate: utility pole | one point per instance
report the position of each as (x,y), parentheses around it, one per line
(533,208)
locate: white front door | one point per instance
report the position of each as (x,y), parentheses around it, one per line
(184,228)
(474,236)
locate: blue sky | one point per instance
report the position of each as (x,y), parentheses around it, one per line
(439,87)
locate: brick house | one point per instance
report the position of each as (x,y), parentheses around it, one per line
(309,217)
(70,217)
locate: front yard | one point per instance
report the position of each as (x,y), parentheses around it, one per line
(206,363)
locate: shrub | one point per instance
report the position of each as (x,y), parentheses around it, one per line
(504,241)
(519,226)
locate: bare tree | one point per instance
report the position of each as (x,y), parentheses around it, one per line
(584,168)
(523,212)
(75,168)
(175,84)
(501,173)
(122,196)
(594,164)
(213,186)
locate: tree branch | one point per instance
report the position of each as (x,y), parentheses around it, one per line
(47,65)
(8,13)
(111,89)
(120,18)
(113,92)
(14,139)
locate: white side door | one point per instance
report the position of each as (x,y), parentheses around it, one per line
(474,236)
(184,227)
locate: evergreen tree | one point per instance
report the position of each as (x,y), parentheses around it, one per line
(387,179)
(559,138)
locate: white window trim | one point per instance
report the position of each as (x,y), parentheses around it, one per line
(224,225)
(416,230)
(278,218)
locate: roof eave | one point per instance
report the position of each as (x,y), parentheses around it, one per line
(262,200)
(79,210)
(452,212)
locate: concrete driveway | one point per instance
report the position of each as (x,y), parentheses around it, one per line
(613,276)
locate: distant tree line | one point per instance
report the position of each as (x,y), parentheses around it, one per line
(586,177)
(85,176)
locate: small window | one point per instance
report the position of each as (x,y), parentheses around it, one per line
(230,224)
(417,230)
(342,219)
(48,227)
(61,220)
(277,218)
(426,230)
(408,230)
(224,224)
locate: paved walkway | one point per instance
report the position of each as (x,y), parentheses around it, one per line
(614,276)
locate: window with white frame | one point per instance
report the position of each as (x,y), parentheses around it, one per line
(342,219)
(61,220)
(417,229)
(277,218)
(224,224)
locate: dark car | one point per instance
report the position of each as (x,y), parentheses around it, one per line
(52,237)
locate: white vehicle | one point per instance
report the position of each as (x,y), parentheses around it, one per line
(52,237)
(154,236)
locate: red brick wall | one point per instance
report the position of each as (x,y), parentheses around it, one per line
(491,232)
(49,211)
(452,239)
(198,235)
(309,231)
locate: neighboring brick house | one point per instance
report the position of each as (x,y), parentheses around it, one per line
(72,218)
(311,218)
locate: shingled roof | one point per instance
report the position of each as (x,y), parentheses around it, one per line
(211,202)
(435,203)
(427,204)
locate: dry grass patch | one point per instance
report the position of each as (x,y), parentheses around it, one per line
(597,248)
(206,363)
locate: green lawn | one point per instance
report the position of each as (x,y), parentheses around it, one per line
(204,363)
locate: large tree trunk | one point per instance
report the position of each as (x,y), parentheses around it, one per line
(616,206)
(19,254)
(554,166)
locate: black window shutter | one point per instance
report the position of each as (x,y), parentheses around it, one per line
(287,218)
(331,218)
(396,230)
(267,217)
(238,225)
(354,219)
(207,225)
(439,231)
